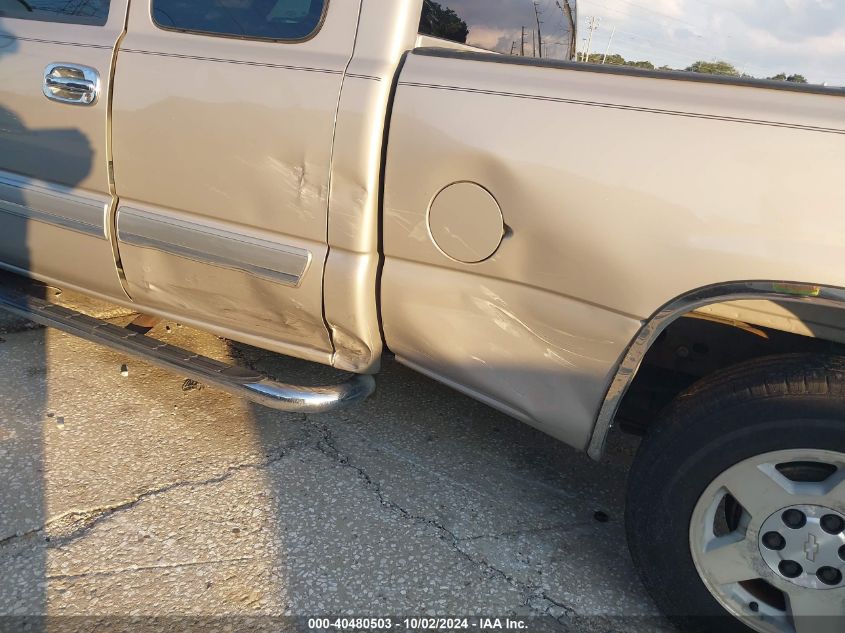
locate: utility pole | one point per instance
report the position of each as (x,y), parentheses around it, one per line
(570,18)
(533,43)
(522,43)
(592,26)
(513,46)
(539,34)
(607,50)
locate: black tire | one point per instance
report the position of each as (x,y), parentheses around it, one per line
(768,404)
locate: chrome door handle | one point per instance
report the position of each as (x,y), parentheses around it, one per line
(76,86)
(71,83)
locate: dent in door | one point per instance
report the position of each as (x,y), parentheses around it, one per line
(272,261)
(241,148)
(226,274)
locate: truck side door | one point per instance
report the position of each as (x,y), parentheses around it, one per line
(224,117)
(55,195)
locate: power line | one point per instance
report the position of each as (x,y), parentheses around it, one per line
(639,6)
(672,48)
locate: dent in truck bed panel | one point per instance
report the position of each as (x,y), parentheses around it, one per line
(683,188)
(538,356)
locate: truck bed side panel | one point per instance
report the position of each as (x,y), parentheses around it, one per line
(618,194)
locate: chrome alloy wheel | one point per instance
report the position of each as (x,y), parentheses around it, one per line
(767,537)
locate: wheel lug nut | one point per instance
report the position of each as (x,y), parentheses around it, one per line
(832,524)
(790,568)
(829,575)
(773,540)
(794,519)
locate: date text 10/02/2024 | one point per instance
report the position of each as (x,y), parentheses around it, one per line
(418,624)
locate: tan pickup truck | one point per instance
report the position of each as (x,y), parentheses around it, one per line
(575,244)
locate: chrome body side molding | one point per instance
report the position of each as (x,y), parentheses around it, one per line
(33,200)
(653,327)
(242,382)
(209,245)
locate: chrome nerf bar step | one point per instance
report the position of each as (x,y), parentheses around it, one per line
(239,381)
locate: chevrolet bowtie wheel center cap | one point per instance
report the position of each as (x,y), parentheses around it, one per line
(805,544)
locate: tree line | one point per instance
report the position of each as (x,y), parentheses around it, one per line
(719,67)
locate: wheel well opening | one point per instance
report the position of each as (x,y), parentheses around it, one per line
(709,339)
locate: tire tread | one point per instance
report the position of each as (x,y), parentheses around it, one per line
(749,408)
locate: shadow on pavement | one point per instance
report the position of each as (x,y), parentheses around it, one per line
(26,422)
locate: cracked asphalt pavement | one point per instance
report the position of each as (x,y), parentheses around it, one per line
(136,493)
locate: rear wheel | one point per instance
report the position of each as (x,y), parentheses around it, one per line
(736,503)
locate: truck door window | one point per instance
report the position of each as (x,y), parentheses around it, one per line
(287,20)
(92,12)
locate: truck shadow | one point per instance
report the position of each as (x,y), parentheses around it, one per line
(421,498)
(28,424)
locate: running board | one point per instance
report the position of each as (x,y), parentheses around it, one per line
(239,381)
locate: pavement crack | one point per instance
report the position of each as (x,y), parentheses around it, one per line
(136,568)
(20,536)
(73,525)
(521,531)
(572,525)
(533,596)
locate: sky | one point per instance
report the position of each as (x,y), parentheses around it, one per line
(759,37)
